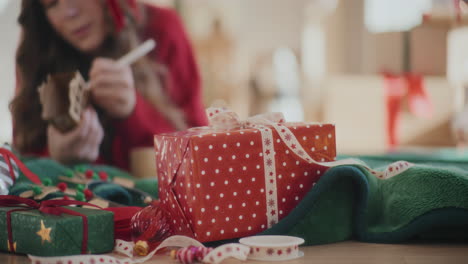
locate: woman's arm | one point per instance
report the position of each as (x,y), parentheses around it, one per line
(174,51)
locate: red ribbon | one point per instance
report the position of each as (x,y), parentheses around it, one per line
(397,87)
(54,207)
(7,155)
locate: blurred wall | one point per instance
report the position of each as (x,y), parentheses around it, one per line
(256,28)
(10,36)
(261,25)
(352,49)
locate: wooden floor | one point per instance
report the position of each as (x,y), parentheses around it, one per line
(347,252)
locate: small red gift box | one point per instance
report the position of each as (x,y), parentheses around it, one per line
(236,179)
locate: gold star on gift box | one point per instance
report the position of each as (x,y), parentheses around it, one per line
(44,233)
(14,246)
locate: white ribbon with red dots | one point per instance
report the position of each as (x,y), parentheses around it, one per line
(125,248)
(225,119)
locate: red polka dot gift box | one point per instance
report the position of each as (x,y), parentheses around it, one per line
(237,178)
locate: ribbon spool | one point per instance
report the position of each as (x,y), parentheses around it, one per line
(273,248)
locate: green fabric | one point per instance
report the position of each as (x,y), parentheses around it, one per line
(149,186)
(114,192)
(349,203)
(444,157)
(66,232)
(49,169)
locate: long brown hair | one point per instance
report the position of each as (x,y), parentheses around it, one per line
(42,51)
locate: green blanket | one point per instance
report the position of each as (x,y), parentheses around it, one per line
(428,201)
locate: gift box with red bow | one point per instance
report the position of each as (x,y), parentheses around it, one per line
(237,178)
(53,228)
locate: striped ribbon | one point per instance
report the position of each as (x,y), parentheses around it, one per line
(7,178)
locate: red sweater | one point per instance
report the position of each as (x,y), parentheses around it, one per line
(175,52)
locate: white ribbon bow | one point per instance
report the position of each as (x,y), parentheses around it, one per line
(226,119)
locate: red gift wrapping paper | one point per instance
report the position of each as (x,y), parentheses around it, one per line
(219,185)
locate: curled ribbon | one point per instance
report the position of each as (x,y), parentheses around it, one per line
(216,256)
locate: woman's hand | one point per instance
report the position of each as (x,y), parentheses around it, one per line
(78,145)
(112,87)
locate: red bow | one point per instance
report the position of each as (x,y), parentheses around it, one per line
(54,207)
(398,87)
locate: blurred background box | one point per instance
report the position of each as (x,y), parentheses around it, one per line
(428,49)
(356,104)
(143,163)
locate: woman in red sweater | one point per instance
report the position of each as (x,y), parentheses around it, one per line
(160,93)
